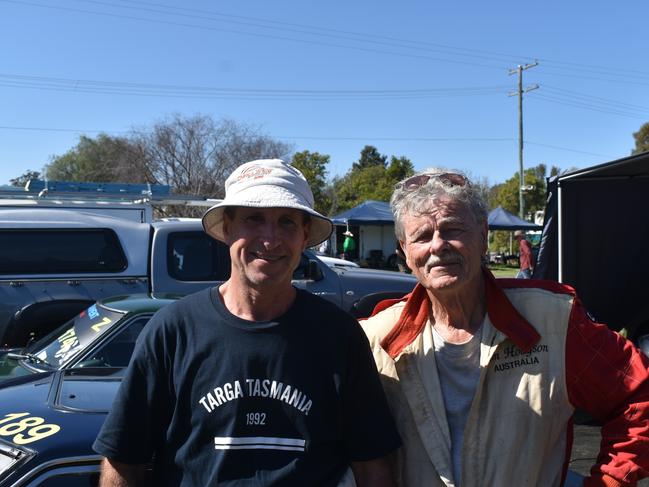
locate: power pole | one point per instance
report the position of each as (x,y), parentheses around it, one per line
(519,70)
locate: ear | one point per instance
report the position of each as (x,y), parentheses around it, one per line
(404,251)
(226,226)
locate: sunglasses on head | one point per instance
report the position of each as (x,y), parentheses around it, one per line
(446,178)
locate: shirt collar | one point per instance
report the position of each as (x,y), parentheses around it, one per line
(504,317)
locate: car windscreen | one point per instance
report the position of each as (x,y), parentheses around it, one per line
(64,342)
(60,251)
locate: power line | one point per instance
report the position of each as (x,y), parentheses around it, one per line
(594,99)
(180,91)
(576,104)
(332,138)
(257,34)
(312,29)
(338,34)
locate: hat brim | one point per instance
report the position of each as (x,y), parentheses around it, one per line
(321,226)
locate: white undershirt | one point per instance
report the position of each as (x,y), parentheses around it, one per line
(458,368)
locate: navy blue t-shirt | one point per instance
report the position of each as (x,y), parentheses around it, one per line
(224,401)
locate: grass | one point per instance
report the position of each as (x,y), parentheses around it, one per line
(500,270)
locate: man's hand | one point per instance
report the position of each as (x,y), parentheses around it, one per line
(118,474)
(374,473)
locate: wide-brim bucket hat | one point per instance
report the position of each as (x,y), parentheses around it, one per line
(268,183)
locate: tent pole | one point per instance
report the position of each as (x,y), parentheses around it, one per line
(559,233)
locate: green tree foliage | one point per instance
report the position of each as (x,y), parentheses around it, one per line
(371,178)
(506,195)
(193,155)
(22,180)
(399,168)
(641,139)
(370,157)
(103,159)
(314,167)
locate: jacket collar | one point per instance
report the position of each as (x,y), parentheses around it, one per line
(502,314)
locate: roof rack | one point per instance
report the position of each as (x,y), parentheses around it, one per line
(37,191)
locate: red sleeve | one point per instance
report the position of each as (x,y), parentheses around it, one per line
(609,378)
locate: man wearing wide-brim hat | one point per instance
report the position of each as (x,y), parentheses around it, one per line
(349,245)
(253,382)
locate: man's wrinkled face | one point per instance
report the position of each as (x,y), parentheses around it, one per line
(444,245)
(265,244)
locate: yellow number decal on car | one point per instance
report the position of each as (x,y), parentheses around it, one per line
(36,429)
(97,326)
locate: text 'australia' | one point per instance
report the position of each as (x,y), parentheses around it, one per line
(256,388)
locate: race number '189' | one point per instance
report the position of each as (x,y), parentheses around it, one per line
(26,430)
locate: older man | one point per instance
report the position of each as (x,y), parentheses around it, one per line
(483,375)
(253,382)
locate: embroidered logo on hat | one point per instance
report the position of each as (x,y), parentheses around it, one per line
(254,172)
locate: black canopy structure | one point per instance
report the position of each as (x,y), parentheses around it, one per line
(596,239)
(501,219)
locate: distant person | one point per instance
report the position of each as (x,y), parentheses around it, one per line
(253,382)
(524,256)
(483,375)
(349,245)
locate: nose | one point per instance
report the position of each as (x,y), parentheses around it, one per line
(437,244)
(269,235)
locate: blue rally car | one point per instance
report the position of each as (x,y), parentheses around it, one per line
(57,392)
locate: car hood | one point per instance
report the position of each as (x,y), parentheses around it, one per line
(357,283)
(69,406)
(369,274)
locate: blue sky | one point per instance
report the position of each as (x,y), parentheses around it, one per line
(421,79)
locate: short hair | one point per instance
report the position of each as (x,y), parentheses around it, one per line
(416,200)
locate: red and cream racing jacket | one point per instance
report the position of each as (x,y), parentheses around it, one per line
(541,357)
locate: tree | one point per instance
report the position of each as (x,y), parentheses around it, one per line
(22,180)
(194,155)
(103,160)
(370,156)
(314,167)
(641,139)
(369,179)
(399,168)
(506,195)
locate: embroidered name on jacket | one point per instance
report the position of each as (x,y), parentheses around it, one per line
(512,357)
(272,389)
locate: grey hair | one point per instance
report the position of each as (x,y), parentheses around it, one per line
(417,201)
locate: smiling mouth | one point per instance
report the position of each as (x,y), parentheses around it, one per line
(266,257)
(442,264)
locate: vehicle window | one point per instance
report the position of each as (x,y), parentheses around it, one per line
(64,342)
(195,256)
(60,251)
(301,270)
(81,479)
(117,351)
